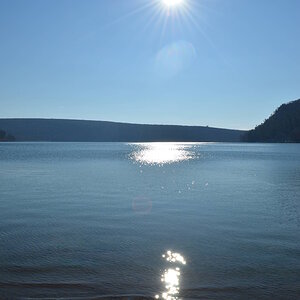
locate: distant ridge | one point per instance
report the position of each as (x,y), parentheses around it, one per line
(281,127)
(63,130)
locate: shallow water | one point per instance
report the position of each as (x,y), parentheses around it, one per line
(93,220)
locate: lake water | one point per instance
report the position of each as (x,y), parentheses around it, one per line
(164,220)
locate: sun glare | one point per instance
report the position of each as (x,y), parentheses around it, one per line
(172,3)
(162,153)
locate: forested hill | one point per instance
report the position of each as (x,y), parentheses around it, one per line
(60,130)
(282,126)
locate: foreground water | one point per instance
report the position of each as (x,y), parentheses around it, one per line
(160,220)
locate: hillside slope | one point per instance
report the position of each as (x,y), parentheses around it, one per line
(282,126)
(60,130)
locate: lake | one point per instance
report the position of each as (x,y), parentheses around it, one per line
(156,220)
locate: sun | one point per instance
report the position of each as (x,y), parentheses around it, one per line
(172,3)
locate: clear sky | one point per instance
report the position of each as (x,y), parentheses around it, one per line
(222,63)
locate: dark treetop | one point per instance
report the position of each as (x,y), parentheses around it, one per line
(282,126)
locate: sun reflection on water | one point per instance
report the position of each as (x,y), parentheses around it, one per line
(171,276)
(162,153)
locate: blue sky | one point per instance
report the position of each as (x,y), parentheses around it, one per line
(222,63)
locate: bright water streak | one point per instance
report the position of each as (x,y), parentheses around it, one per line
(162,153)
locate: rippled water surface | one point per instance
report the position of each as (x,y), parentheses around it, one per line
(157,220)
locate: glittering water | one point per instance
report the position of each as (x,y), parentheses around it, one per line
(171,276)
(162,153)
(157,220)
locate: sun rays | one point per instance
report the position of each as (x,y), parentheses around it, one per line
(157,14)
(163,23)
(172,3)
